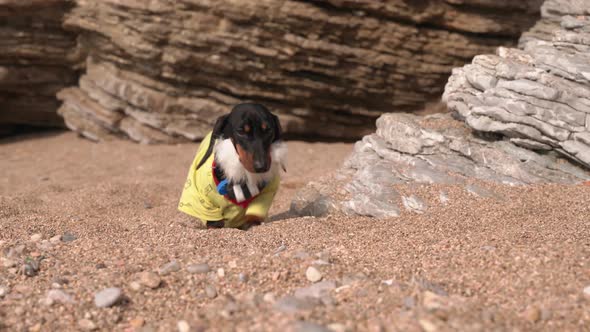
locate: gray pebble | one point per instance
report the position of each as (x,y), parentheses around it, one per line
(317,290)
(68,237)
(310,327)
(243,277)
(292,305)
(31,268)
(210,291)
(108,297)
(170,267)
(198,268)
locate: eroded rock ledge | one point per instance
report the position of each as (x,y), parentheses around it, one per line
(37,57)
(163,70)
(538,96)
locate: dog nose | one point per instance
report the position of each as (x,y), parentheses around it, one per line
(260,166)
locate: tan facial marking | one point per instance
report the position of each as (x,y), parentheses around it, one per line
(264,126)
(247,159)
(247,129)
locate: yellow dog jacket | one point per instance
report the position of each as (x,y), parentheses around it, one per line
(200,197)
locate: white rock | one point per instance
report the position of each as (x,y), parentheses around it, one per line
(313,274)
(3,291)
(220,272)
(183,326)
(87,325)
(269,298)
(134,285)
(108,297)
(36,237)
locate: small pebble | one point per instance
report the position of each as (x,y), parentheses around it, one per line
(150,279)
(269,298)
(210,291)
(532,314)
(19,311)
(220,272)
(170,267)
(136,322)
(313,274)
(35,328)
(134,285)
(427,326)
(198,268)
(183,326)
(31,267)
(36,237)
(337,327)
(55,239)
(147,205)
(87,325)
(3,291)
(243,277)
(108,297)
(68,237)
(587,291)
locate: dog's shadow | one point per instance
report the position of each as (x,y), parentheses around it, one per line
(281,217)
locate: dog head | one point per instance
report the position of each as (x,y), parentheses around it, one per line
(252,129)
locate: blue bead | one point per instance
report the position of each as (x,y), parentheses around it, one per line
(222,187)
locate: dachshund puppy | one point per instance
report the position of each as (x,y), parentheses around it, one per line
(236,172)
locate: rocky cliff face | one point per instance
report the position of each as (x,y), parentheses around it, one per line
(36,61)
(163,70)
(522,116)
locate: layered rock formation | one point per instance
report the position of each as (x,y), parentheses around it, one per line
(553,12)
(36,61)
(163,70)
(521,116)
(435,149)
(538,97)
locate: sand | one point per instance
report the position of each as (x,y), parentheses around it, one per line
(519,261)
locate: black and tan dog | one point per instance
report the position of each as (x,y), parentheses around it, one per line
(236,172)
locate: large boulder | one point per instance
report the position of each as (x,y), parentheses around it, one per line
(537,96)
(36,61)
(162,70)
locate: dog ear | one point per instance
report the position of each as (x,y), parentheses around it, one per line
(220,126)
(277,128)
(218,130)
